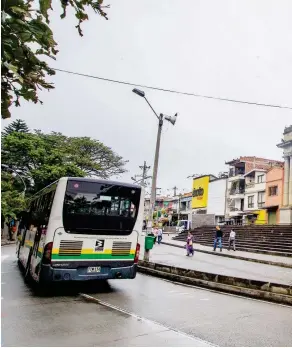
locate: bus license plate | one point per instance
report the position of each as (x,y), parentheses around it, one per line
(93,269)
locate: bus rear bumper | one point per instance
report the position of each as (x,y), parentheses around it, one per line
(49,273)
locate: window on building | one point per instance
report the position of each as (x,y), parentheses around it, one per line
(261,178)
(250,201)
(261,199)
(273,190)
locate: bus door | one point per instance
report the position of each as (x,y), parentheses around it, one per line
(37,250)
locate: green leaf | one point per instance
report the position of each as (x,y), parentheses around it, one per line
(11,67)
(19,10)
(25,38)
(45,6)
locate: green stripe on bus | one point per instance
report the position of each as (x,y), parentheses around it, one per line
(93,257)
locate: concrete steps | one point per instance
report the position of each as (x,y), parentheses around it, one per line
(268,239)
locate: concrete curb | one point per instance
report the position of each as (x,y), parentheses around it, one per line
(272,292)
(272,263)
(8,243)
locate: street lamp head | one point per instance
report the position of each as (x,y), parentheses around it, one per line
(139,92)
(171,119)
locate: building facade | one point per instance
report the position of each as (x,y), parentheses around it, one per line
(184,210)
(245,171)
(286,145)
(254,197)
(274,194)
(208,200)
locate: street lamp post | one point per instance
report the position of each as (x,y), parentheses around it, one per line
(161,118)
(16,174)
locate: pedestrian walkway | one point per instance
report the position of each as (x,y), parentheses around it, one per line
(173,256)
(241,254)
(7,241)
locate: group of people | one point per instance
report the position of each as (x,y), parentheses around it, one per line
(217,241)
(157,232)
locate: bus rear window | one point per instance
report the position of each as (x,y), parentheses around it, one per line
(98,208)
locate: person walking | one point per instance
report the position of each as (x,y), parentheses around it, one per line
(159,235)
(231,240)
(11,223)
(189,246)
(218,238)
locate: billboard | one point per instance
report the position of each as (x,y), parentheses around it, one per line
(200,192)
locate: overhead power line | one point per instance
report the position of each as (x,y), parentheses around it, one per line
(174,91)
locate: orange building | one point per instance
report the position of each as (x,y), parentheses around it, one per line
(274,194)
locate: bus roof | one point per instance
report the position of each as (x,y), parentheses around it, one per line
(111,182)
(104,181)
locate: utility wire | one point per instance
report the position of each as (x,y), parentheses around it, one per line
(176,92)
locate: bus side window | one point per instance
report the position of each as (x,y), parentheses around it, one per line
(48,206)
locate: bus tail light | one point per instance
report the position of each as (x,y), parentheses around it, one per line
(48,253)
(137,253)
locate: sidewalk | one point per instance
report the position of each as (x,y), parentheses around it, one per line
(7,242)
(213,263)
(240,254)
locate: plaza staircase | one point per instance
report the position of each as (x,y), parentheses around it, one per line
(265,239)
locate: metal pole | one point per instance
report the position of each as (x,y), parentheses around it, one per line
(154,181)
(178,215)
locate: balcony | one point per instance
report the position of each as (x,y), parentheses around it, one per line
(238,192)
(250,185)
(233,211)
(236,177)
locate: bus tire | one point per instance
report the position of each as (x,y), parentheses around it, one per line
(27,276)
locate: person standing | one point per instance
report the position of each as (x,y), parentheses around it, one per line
(159,235)
(218,238)
(231,239)
(155,231)
(189,246)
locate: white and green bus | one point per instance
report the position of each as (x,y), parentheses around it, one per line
(82,229)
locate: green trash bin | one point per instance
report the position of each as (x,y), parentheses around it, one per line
(149,242)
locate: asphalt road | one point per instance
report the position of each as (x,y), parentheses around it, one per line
(220,265)
(143,312)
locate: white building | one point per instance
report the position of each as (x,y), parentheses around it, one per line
(255,189)
(255,193)
(216,199)
(286,145)
(211,191)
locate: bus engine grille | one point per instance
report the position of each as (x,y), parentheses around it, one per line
(121,248)
(70,247)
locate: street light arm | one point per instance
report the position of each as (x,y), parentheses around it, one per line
(15,172)
(151,107)
(23,192)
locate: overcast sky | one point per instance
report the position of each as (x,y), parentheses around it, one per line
(233,49)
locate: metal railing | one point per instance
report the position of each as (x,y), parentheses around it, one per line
(236,191)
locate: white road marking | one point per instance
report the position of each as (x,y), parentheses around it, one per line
(204,299)
(2,298)
(2,283)
(8,272)
(225,293)
(96,300)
